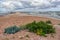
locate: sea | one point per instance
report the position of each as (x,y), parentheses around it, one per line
(51,14)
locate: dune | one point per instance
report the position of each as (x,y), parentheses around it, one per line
(22,19)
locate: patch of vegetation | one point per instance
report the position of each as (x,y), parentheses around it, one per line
(40,28)
(59,24)
(12,30)
(49,22)
(27,36)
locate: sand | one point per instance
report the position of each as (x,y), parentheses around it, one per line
(22,19)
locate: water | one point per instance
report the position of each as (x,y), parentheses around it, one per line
(53,14)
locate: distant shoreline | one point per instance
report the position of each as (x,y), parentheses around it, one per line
(6,14)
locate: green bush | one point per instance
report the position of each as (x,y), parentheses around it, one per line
(12,30)
(40,28)
(31,26)
(49,22)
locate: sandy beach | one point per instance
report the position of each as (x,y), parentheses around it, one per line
(22,19)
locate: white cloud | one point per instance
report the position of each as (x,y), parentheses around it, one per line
(15,4)
(40,2)
(8,4)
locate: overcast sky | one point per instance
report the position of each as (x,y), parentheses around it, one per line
(41,5)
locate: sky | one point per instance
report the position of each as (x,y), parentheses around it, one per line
(29,5)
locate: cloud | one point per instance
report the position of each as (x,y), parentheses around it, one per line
(40,2)
(12,5)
